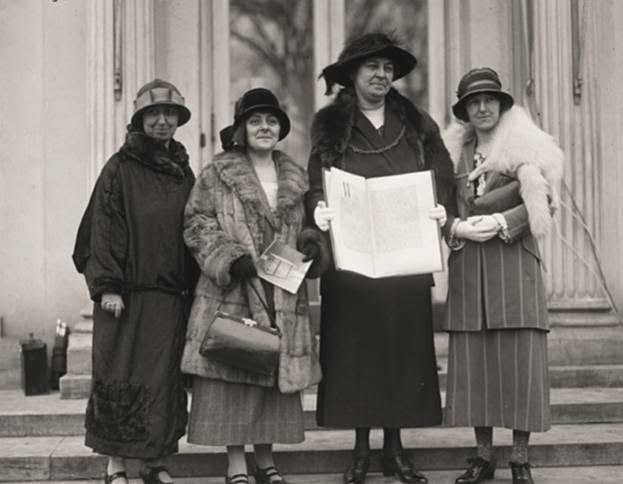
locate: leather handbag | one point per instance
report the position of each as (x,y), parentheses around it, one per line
(241,343)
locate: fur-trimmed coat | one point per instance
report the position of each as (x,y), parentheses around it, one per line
(226,218)
(499,283)
(331,135)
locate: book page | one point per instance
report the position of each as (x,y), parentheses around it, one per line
(351,230)
(407,241)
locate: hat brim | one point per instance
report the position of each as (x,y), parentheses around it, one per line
(458,109)
(284,120)
(184,116)
(342,72)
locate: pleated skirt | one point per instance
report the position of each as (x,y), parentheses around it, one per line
(224,413)
(498,378)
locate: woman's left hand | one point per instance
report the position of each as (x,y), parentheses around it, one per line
(311,250)
(438,213)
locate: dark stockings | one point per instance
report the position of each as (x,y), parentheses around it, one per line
(392,444)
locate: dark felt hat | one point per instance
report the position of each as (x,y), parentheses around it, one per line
(258,99)
(155,93)
(375,44)
(477,81)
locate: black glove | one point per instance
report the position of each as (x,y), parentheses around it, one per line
(311,251)
(243,268)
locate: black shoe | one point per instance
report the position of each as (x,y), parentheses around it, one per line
(270,475)
(478,470)
(356,472)
(401,466)
(117,475)
(237,479)
(151,475)
(521,473)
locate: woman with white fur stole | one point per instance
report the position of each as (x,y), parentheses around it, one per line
(507,174)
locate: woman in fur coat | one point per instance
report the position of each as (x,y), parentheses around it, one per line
(507,173)
(140,275)
(250,195)
(376,337)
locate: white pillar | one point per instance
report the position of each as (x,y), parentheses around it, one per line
(572,280)
(328,41)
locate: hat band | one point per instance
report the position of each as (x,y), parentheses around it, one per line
(164,95)
(481,84)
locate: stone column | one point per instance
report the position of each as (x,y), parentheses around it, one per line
(121,59)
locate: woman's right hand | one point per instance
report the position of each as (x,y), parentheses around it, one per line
(113,303)
(243,268)
(323,215)
(478,228)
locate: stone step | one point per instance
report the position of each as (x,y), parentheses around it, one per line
(323,452)
(542,475)
(48,415)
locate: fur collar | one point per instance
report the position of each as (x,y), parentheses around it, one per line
(147,151)
(332,125)
(522,150)
(235,170)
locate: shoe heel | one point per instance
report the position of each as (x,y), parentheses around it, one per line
(490,474)
(387,468)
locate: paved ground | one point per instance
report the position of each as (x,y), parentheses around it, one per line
(553,475)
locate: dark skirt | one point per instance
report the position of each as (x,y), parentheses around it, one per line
(498,378)
(137,408)
(224,413)
(377,353)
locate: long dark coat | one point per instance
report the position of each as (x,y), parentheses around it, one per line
(376,346)
(130,243)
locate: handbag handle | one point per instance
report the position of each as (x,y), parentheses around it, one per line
(264,304)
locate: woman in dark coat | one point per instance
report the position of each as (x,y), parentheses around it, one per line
(139,273)
(376,347)
(248,196)
(507,171)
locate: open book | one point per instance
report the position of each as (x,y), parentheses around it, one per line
(382,227)
(282,266)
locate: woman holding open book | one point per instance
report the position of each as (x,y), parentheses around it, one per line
(248,196)
(507,171)
(376,347)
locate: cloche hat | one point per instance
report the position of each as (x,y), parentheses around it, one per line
(155,93)
(374,44)
(476,81)
(257,99)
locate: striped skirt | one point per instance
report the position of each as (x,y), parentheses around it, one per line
(223,413)
(498,378)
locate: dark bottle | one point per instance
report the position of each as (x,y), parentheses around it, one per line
(34,366)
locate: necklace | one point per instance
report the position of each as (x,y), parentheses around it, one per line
(377,151)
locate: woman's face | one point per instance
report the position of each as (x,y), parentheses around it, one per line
(160,122)
(262,131)
(483,111)
(373,79)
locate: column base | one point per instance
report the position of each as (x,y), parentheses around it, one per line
(585,338)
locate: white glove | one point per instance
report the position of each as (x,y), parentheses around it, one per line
(438,213)
(323,215)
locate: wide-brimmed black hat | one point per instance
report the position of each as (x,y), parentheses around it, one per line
(476,81)
(155,93)
(375,44)
(257,99)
